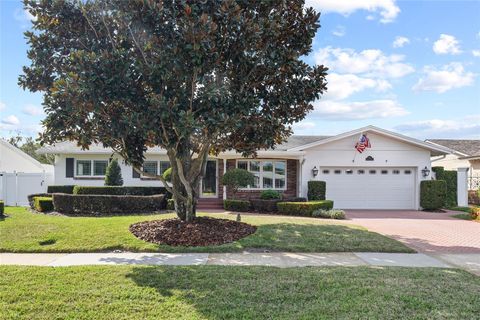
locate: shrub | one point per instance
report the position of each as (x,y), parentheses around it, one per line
(31,196)
(262,205)
(270,194)
(43,204)
(117,190)
(236,205)
(101,205)
(475,213)
(113,175)
(170,204)
(60,189)
(2,208)
(316,190)
(432,194)
(450,177)
(167,175)
(303,208)
(237,178)
(329,214)
(474,196)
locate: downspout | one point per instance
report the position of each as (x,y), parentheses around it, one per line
(300,179)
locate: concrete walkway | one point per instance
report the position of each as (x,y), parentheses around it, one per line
(469,262)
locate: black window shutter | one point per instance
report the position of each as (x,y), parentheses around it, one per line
(135,174)
(69,167)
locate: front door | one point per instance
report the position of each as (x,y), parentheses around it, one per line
(209,181)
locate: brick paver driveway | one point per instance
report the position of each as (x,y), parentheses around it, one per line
(423,231)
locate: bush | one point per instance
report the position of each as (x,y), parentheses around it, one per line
(329,214)
(432,194)
(236,205)
(101,205)
(117,190)
(316,190)
(474,196)
(31,196)
(170,204)
(237,178)
(450,177)
(303,208)
(60,189)
(167,175)
(270,194)
(113,175)
(43,204)
(2,208)
(475,213)
(262,205)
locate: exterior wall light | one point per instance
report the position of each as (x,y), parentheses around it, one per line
(314,171)
(425,172)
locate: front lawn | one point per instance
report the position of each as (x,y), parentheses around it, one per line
(216,292)
(24,231)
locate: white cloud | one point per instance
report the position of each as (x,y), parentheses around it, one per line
(341,86)
(11,120)
(446,44)
(371,62)
(304,125)
(32,110)
(476,53)
(448,77)
(468,126)
(336,110)
(400,41)
(387,8)
(339,31)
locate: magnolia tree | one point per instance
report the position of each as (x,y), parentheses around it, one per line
(192,77)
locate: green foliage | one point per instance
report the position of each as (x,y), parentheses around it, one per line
(316,190)
(117,190)
(170,204)
(432,194)
(104,205)
(187,76)
(264,205)
(329,214)
(450,177)
(30,147)
(305,209)
(113,176)
(237,178)
(2,208)
(60,189)
(270,194)
(167,175)
(43,204)
(236,205)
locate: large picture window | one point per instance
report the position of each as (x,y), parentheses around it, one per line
(269,174)
(155,167)
(91,168)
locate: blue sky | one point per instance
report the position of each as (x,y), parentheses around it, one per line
(408,66)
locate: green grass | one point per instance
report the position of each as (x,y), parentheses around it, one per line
(24,231)
(216,292)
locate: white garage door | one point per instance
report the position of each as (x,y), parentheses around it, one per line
(370,188)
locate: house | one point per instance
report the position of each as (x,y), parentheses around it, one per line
(21,175)
(386,175)
(466,154)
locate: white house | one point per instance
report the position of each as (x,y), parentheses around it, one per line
(386,175)
(21,175)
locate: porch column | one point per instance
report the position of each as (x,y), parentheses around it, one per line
(462,187)
(224,187)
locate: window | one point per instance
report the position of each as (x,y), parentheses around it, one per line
(84,167)
(349,171)
(268,174)
(100,167)
(326,171)
(337,171)
(361,171)
(372,171)
(384,171)
(408,171)
(150,167)
(396,171)
(164,165)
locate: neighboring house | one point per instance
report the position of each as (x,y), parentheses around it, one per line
(21,175)
(385,176)
(466,154)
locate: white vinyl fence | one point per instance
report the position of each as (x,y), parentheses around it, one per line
(16,186)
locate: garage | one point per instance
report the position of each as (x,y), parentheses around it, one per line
(370,187)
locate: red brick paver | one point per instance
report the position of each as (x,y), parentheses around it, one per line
(426,232)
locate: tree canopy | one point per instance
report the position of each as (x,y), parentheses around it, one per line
(192,77)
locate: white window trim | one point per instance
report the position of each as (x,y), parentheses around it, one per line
(92,169)
(261,173)
(158,166)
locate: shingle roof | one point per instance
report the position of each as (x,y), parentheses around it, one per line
(468,147)
(67,147)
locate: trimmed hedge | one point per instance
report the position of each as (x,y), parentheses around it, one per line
(43,204)
(263,205)
(236,205)
(270,195)
(304,209)
(432,194)
(60,189)
(101,205)
(329,214)
(316,190)
(450,177)
(31,196)
(2,208)
(119,190)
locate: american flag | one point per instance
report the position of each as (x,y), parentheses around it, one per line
(363,143)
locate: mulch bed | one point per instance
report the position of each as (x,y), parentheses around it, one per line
(203,231)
